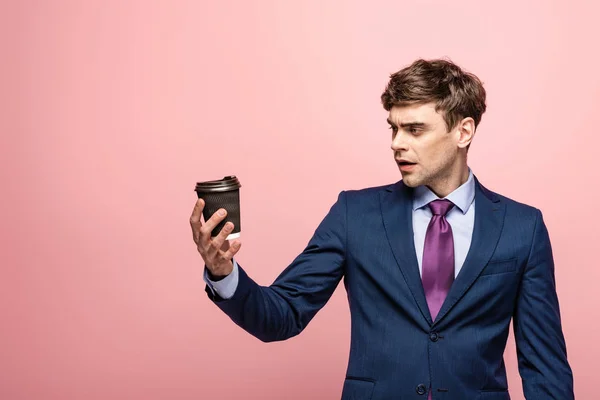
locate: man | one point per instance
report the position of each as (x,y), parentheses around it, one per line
(435,265)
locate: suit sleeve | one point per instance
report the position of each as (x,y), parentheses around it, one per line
(541,348)
(284,309)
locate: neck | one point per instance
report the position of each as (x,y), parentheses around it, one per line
(451,181)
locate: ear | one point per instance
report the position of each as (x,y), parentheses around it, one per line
(466,132)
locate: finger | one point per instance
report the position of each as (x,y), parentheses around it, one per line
(218,241)
(195,219)
(197,212)
(233,249)
(212,222)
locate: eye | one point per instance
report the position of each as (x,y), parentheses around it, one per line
(415,130)
(393,128)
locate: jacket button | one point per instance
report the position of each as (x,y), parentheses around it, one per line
(421,389)
(433,337)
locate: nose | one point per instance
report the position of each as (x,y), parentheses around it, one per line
(399,143)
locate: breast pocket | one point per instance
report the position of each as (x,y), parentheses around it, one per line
(500,267)
(358,388)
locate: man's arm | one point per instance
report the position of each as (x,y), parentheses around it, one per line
(541,348)
(285,308)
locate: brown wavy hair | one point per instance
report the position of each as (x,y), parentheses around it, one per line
(458,94)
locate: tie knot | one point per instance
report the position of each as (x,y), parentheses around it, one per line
(440,207)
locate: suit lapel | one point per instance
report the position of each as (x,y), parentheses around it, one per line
(489,219)
(396,207)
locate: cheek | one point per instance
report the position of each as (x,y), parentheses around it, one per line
(430,149)
(436,152)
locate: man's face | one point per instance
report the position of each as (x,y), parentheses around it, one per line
(420,138)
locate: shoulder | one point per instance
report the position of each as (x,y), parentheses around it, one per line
(373,190)
(371,193)
(514,208)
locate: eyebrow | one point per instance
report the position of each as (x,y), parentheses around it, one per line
(409,124)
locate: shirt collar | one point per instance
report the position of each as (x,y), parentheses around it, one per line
(462,197)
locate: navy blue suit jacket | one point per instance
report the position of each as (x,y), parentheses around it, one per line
(397,351)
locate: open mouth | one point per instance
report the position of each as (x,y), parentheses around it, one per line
(406,166)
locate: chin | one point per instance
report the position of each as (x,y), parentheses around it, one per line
(411,181)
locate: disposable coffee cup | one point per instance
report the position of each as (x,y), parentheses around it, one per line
(223,193)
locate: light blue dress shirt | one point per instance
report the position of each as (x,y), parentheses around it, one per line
(461,219)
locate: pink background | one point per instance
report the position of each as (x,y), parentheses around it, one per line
(112,110)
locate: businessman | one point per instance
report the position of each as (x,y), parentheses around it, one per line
(434,265)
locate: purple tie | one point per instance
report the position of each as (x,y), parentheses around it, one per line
(438,258)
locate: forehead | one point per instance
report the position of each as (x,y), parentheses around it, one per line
(414,113)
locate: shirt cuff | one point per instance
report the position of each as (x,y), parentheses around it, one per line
(225,287)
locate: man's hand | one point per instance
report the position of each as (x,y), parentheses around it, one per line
(216,252)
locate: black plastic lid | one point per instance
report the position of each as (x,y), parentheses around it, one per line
(222,185)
